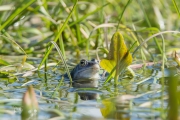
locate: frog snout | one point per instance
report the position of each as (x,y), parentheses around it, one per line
(96,67)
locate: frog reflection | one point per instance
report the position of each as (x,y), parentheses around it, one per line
(86,75)
(88,96)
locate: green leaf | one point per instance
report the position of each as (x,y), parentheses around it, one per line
(118,57)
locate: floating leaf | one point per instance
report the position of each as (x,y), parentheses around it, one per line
(9,59)
(18,67)
(118,56)
(10,78)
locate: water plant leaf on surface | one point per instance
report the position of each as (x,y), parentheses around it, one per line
(118,55)
(29,104)
(18,67)
(8,77)
(13,58)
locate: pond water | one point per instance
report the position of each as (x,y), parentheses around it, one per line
(129,100)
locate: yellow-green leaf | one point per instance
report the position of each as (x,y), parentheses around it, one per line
(117,47)
(108,65)
(118,55)
(109,109)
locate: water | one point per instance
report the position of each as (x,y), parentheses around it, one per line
(127,101)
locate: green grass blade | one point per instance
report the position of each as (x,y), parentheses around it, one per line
(78,32)
(129,1)
(57,36)
(64,62)
(16,13)
(97,27)
(110,75)
(160,33)
(3,62)
(12,41)
(57,87)
(61,44)
(176,7)
(85,16)
(149,24)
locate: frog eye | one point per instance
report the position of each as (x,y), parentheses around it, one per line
(83,62)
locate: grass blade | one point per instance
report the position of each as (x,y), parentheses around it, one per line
(57,36)
(149,24)
(176,7)
(129,1)
(85,16)
(64,62)
(16,13)
(160,33)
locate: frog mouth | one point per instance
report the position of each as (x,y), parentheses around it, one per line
(89,73)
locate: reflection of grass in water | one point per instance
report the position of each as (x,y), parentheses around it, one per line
(34,24)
